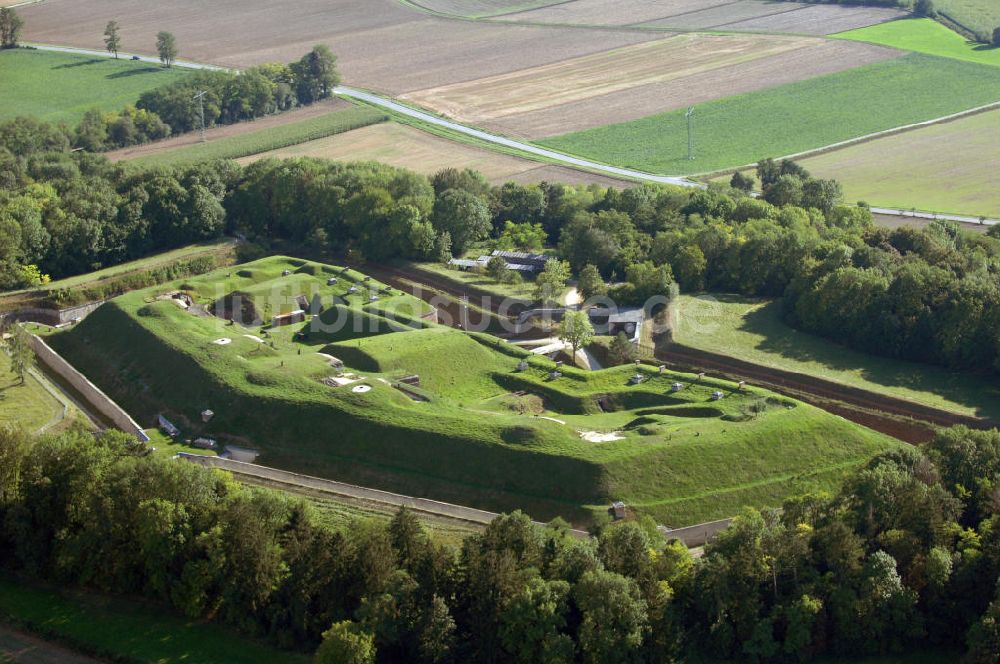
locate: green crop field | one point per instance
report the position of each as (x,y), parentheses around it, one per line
(924,35)
(948,167)
(251,143)
(471,432)
(127,631)
(977,15)
(789,119)
(753,331)
(60,87)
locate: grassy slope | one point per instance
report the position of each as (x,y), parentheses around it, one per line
(689,465)
(948,167)
(113,627)
(522,291)
(924,35)
(28,405)
(792,118)
(60,86)
(753,330)
(243,145)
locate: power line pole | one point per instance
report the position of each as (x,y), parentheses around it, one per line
(201,112)
(690,118)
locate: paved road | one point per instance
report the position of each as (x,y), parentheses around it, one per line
(528,148)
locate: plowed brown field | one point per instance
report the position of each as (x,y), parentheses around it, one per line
(406,147)
(381,44)
(641,80)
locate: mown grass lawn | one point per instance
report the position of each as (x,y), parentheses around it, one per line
(29,405)
(753,330)
(251,143)
(124,630)
(924,35)
(681,457)
(61,87)
(789,119)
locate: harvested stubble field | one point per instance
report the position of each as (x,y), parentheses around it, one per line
(751,15)
(381,44)
(480,8)
(794,118)
(637,81)
(406,147)
(950,167)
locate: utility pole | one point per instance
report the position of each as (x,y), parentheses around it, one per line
(201,112)
(690,118)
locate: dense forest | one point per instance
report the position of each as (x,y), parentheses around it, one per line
(929,295)
(905,557)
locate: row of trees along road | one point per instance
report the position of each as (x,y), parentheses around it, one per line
(906,557)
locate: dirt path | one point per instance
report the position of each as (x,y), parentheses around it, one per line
(21,647)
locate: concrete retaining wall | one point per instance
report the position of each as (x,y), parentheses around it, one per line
(101,402)
(50,316)
(697,535)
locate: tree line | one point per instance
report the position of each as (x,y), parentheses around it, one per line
(929,294)
(905,557)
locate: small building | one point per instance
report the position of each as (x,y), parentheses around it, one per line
(716,395)
(168,427)
(204,443)
(413,379)
(290,318)
(207,415)
(285,273)
(676,387)
(302,301)
(554,374)
(331,281)
(352,289)
(636,379)
(236,453)
(522,365)
(617,510)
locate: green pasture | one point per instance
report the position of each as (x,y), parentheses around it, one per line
(924,35)
(27,405)
(118,629)
(680,456)
(793,118)
(980,16)
(256,142)
(61,87)
(753,330)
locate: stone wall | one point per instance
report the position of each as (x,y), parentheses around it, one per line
(97,399)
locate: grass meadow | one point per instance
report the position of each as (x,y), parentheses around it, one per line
(949,167)
(753,330)
(251,143)
(122,630)
(29,405)
(978,15)
(61,87)
(924,35)
(680,456)
(789,119)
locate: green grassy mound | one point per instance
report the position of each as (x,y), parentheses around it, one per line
(739,130)
(59,87)
(487,435)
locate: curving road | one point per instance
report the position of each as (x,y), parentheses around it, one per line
(562,158)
